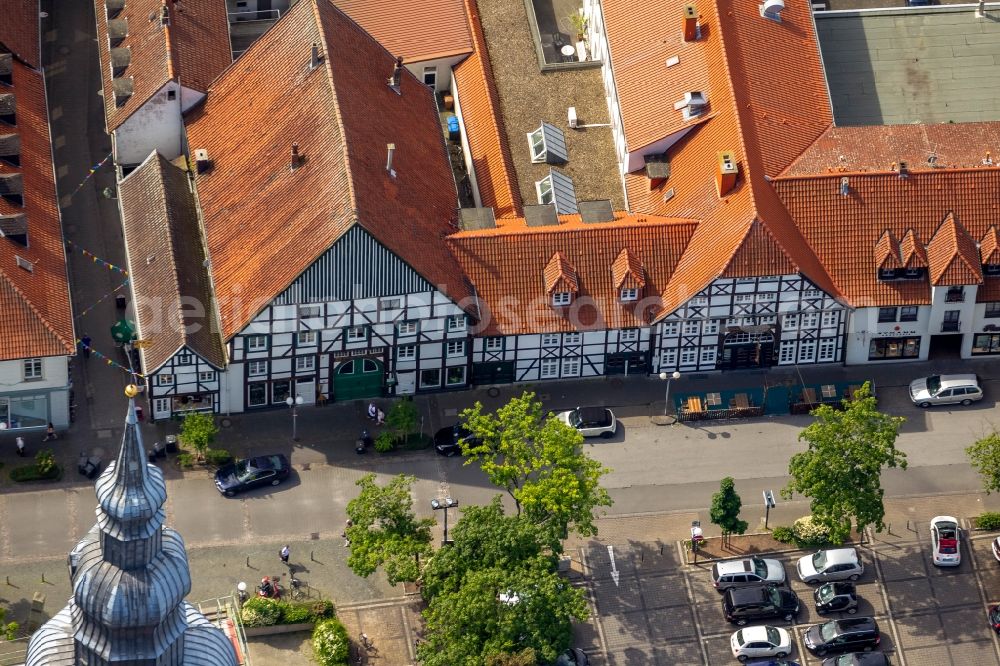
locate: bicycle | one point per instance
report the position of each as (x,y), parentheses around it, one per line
(296,592)
(369,645)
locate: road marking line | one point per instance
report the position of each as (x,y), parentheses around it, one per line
(592,600)
(881,583)
(615,575)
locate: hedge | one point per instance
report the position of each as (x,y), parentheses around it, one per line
(263,612)
(31,473)
(989,520)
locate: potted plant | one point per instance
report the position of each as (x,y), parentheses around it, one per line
(579,23)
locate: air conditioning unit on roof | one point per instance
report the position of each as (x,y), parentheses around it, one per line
(571,117)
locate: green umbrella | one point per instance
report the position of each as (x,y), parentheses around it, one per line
(123,331)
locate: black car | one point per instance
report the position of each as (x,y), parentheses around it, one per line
(856,633)
(858,659)
(995,618)
(836,597)
(741,605)
(252,473)
(573,657)
(446,440)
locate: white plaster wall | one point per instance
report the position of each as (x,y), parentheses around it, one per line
(55,374)
(156,125)
(863,326)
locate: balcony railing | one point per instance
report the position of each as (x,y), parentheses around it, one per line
(950,326)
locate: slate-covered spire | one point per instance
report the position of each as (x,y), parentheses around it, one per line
(130,576)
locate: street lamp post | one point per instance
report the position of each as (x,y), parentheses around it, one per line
(444,505)
(294,404)
(666,397)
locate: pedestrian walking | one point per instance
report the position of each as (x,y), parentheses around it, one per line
(85,344)
(372,411)
(380,418)
(285,553)
(50,433)
(20,446)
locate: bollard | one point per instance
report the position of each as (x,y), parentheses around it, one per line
(43,577)
(311,558)
(8,580)
(248,561)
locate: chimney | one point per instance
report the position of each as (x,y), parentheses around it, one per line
(297,158)
(725,178)
(391,149)
(691,30)
(316,57)
(164,15)
(397,75)
(904,169)
(845,186)
(201,161)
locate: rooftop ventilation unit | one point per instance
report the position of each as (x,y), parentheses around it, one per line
(592,212)
(202,162)
(542,215)
(771,9)
(845,187)
(397,75)
(692,31)
(657,169)
(904,169)
(571,117)
(693,104)
(475,219)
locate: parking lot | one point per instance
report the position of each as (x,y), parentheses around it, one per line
(660,611)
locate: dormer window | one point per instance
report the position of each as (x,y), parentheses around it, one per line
(561,298)
(885,274)
(991,269)
(628,294)
(955,295)
(914,273)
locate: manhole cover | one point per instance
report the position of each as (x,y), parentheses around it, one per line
(493,391)
(226,423)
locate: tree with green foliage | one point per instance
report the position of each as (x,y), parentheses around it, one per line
(330,644)
(726,507)
(467,619)
(198,430)
(539,461)
(841,469)
(384,532)
(984,456)
(400,423)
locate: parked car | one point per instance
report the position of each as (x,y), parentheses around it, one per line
(761,641)
(856,633)
(996,549)
(827,565)
(858,659)
(772,662)
(742,605)
(573,657)
(447,440)
(945,390)
(591,421)
(748,571)
(252,473)
(836,597)
(995,618)
(945,533)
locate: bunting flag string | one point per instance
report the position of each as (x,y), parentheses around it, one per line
(103,298)
(97,260)
(108,361)
(90,173)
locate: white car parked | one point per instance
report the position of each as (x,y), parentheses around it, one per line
(828,565)
(945,533)
(591,421)
(945,390)
(762,641)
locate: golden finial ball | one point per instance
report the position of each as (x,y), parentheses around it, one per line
(131,390)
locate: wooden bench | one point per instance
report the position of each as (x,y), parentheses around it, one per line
(694,404)
(741,401)
(809,396)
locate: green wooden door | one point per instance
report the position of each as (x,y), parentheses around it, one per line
(358,378)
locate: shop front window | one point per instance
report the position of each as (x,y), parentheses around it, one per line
(257,394)
(986,343)
(893,348)
(280,390)
(24,412)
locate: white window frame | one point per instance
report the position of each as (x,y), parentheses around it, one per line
(536,146)
(691,327)
(305,338)
(310,311)
(628,335)
(570,339)
(562,298)
(426,385)
(668,358)
(786,352)
(305,363)
(711,327)
(256,343)
(671,328)
(790,321)
(550,340)
(406,353)
(571,366)
(184,358)
(208,376)
(256,368)
(164,380)
(708,355)
(456,323)
(699,300)
(810,320)
(494,343)
(548,368)
(829,319)
(629,294)
(807,351)
(405,329)
(455,348)
(32,369)
(451,369)
(744,298)
(689,357)
(812,293)
(389,304)
(351,335)
(766,296)
(827,350)
(545,190)
(433,71)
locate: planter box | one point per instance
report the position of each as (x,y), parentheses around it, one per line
(278,629)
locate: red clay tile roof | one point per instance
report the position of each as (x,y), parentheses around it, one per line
(194,49)
(19,30)
(264,222)
(876,148)
(989,247)
(560,276)
(642,35)
(414,30)
(507,268)
(887,252)
(627,271)
(38,320)
(841,228)
(166,265)
(911,251)
(759,254)
(479,105)
(952,255)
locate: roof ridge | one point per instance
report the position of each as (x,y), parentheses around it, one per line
(45,322)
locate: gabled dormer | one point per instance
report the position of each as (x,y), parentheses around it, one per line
(628,277)
(913,256)
(561,282)
(888,264)
(952,255)
(989,252)
(6,69)
(8,108)
(10,149)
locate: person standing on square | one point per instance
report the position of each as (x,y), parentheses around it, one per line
(20,446)
(285,553)
(85,345)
